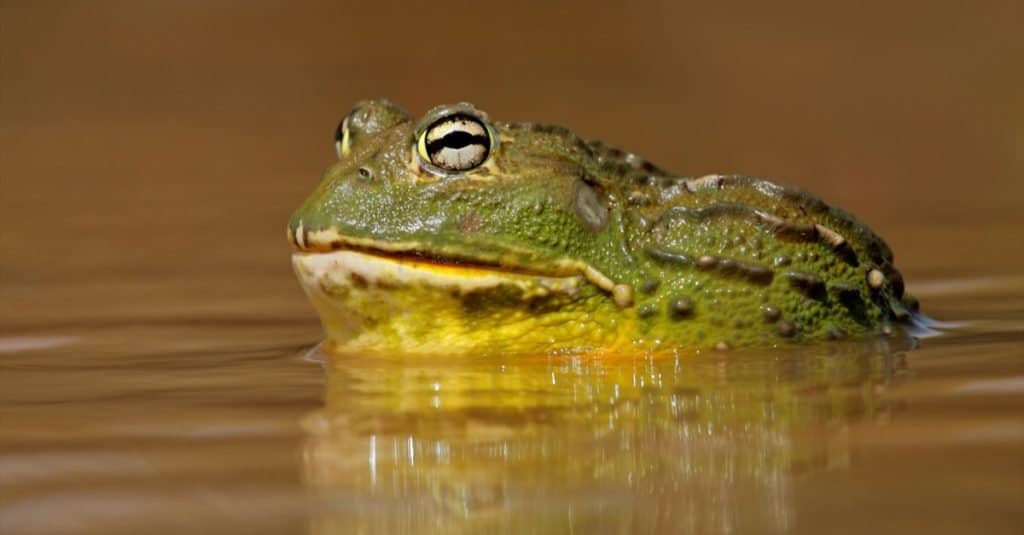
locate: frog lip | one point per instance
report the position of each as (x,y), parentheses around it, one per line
(324,241)
(307,241)
(321,271)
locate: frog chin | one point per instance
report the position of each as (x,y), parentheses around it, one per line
(371,302)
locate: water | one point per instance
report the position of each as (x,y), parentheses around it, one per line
(237,423)
(158,363)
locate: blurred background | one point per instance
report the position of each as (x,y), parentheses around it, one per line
(172,139)
(151,152)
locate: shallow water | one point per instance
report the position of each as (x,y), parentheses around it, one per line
(158,363)
(237,423)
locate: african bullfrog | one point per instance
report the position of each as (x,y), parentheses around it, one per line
(454,233)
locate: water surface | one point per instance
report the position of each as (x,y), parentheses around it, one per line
(236,422)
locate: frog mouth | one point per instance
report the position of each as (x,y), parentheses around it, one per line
(319,253)
(329,273)
(328,269)
(414,254)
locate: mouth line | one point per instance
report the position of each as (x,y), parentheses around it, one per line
(305,241)
(323,241)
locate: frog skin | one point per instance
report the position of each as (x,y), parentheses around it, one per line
(457,234)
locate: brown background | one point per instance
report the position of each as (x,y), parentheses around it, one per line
(152,152)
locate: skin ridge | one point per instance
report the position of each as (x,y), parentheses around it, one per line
(840,238)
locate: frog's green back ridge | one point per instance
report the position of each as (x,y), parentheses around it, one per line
(643,258)
(777,256)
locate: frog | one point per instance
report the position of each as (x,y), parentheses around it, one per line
(453,233)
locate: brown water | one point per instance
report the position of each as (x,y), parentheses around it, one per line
(158,370)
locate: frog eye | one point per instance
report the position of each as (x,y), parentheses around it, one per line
(343,138)
(457,142)
(368,118)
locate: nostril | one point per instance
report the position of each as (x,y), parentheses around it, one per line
(365,173)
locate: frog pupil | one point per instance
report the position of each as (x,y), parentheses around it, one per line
(456,140)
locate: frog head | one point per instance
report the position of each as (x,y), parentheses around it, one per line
(490,227)
(456,188)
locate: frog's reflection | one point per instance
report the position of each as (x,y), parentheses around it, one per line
(695,444)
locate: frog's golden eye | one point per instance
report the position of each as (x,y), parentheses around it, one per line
(368,119)
(343,138)
(458,142)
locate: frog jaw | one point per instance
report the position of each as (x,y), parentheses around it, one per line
(481,254)
(375,303)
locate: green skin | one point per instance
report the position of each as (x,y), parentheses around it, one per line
(666,261)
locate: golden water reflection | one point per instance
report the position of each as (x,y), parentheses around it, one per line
(704,443)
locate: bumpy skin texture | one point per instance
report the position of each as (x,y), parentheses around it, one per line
(662,261)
